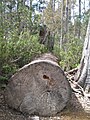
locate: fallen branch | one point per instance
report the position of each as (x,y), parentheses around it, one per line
(72,71)
(16,60)
(77,88)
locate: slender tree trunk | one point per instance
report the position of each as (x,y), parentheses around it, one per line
(18,16)
(89,4)
(52,2)
(1,14)
(79,32)
(30,15)
(66,27)
(62,10)
(69,11)
(50,43)
(74,19)
(52,33)
(65,39)
(84,6)
(2,20)
(23,2)
(69,17)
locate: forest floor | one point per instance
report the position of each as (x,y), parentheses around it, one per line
(73,111)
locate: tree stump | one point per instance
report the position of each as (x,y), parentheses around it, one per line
(39,88)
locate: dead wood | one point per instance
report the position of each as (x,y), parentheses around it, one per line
(39,88)
(73,71)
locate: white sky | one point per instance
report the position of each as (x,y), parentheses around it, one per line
(82,5)
(76,6)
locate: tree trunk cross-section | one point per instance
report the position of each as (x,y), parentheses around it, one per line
(39,88)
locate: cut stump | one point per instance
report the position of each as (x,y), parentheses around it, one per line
(39,88)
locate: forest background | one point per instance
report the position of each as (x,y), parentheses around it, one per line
(29,28)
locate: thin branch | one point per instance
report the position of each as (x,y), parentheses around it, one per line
(16,60)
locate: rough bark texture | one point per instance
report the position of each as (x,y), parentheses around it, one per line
(83,70)
(46,38)
(83,74)
(39,88)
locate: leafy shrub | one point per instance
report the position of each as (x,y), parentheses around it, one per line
(16,51)
(71,55)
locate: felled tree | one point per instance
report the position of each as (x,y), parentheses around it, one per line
(39,88)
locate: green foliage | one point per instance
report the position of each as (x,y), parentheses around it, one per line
(19,43)
(19,37)
(85,23)
(17,51)
(71,55)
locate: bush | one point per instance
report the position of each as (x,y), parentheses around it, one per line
(16,51)
(71,55)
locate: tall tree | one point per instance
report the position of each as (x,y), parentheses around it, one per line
(79,31)
(30,13)
(89,4)
(69,10)
(67,15)
(1,13)
(84,6)
(62,12)
(83,73)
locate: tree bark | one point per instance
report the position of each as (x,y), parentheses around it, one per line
(85,60)
(66,16)
(39,88)
(62,10)
(47,38)
(79,31)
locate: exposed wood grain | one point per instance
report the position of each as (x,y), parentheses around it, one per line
(40,88)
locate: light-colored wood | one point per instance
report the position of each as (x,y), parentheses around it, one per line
(39,88)
(83,73)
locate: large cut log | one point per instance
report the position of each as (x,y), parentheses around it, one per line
(39,88)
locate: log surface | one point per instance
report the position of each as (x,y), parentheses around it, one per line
(39,88)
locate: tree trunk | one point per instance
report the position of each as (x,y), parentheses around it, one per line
(18,17)
(62,10)
(79,31)
(66,16)
(84,6)
(83,74)
(46,38)
(84,70)
(89,4)
(39,88)
(50,44)
(69,11)
(30,16)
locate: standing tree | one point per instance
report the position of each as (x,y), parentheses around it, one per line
(79,19)
(83,74)
(62,11)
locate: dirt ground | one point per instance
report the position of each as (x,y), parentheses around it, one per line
(73,111)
